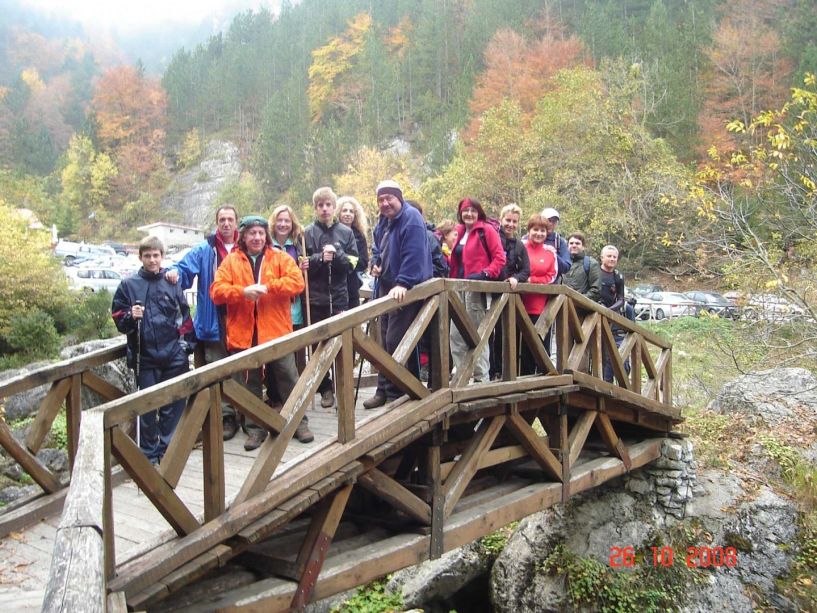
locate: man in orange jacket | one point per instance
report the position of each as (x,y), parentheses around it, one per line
(258,283)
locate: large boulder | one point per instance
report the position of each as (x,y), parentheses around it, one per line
(193,193)
(21,405)
(772,396)
(432,584)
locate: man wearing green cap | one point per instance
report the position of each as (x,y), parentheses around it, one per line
(257,283)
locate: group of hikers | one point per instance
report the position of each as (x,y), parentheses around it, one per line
(252,273)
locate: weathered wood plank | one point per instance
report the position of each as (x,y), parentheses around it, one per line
(535,446)
(578,435)
(316,545)
(44,477)
(501,388)
(440,345)
(614,391)
(416,330)
(213,458)
(272,449)
(101,387)
(530,335)
(615,357)
(460,319)
(77,581)
(389,367)
(468,464)
(577,353)
(60,370)
(383,486)
(345,387)
(152,484)
(73,416)
(48,410)
(251,405)
(184,437)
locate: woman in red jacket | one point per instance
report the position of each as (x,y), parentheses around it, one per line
(543,269)
(477,255)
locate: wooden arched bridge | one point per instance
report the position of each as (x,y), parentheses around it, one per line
(217,528)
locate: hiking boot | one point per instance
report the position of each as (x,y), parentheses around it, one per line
(230,427)
(303,433)
(376,401)
(327,399)
(254,440)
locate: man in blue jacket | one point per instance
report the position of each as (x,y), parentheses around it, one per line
(555,240)
(202,261)
(400,260)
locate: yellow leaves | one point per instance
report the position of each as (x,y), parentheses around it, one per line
(736,126)
(665,240)
(808,183)
(713,154)
(771,284)
(397,39)
(780,140)
(31,77)
(333,61)
(810,79)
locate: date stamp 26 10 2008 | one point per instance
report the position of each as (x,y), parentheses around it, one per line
(695,557)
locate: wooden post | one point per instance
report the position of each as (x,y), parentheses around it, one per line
(213,457)
(562,338)
(564,447)
(108,532)
(345,383)
(73,415)
(436,545)
(510,351)
(440,347)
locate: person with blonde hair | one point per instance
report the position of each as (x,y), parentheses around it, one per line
(351,214)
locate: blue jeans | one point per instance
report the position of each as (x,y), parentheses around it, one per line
(608,363)
(156,427)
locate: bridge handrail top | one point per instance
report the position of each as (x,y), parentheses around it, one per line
(49,373)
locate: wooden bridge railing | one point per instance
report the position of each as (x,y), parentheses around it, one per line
(583,336)
(66,379)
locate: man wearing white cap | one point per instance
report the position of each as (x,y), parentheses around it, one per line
(555,240)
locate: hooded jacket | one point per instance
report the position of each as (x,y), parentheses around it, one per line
(267,318)
(584,279)
(166,328)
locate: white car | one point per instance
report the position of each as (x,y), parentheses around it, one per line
(94,279)
(771,307)
(661,305)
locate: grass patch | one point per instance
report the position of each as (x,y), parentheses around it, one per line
(491,545)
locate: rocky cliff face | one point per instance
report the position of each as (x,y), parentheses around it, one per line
(192,194)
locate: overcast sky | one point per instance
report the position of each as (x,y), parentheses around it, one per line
(124,14)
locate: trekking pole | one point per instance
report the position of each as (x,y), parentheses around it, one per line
(138,369)
(331,312)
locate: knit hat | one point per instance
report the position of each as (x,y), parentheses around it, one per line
(252,220)
(390,187)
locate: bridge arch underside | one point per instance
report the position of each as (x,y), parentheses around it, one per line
(441,466)
(464,470)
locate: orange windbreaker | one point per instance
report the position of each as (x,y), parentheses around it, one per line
(283,279)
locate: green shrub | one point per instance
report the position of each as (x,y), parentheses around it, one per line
(33,335)
(372,598)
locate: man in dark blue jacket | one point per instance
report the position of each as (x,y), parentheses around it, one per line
(201,262)
(555,240)
(400,260)
(154,314)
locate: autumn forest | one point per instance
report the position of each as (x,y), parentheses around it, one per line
(682,131)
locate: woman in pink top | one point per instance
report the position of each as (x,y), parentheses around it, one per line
(543,269)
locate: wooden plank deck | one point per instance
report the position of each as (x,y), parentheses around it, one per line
(25,557)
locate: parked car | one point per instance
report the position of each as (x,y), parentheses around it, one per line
(70,251)
(771,307)
(660,305)
(94,279)
(714,304)
(124,265)
(646,288)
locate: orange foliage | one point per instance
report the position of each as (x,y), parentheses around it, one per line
(129,108)
(521,71)
(397,38)
(749,73)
